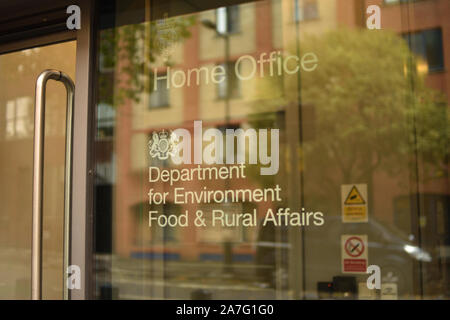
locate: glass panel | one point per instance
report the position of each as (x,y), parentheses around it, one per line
(19,71)
(301,143)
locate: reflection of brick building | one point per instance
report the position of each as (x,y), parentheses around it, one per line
(426,21)
(205,102)
(263,26)
(254,28)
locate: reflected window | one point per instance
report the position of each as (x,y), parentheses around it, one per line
(223,129)
(233,82)
(157,233)
(227,19)
(160,98)
(18,121)
(105,121)
(428,45)
(165,234)
(305,10)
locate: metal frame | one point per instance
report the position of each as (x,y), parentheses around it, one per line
(37,42)
(81,240)
(83,177)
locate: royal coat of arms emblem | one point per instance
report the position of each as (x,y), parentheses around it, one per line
(162,145)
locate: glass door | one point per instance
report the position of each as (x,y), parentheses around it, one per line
(19,72)
(272,149)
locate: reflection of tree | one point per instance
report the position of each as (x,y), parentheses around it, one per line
(132,50)
(372,111)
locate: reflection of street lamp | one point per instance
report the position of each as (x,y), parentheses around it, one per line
(227,245)
(226,36)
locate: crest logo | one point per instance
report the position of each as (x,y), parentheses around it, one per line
(162,145)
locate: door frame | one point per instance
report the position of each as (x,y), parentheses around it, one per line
(81,241)
(83,174)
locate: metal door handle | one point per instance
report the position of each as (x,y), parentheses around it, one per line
(38,170)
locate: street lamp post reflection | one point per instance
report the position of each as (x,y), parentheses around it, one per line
(224,35)
(227,245)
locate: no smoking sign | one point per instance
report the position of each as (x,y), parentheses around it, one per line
(354,253)
(354,246)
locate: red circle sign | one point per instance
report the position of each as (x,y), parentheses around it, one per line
(354,246)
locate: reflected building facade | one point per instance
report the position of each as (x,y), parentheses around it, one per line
(373,111)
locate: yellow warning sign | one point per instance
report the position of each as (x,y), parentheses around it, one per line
(354,197)
(354,203)
(355,214)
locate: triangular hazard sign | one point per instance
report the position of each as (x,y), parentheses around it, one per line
(354,197)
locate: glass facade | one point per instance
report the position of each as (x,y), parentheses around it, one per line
(272,149)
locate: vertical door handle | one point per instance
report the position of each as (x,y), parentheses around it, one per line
(38,181)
